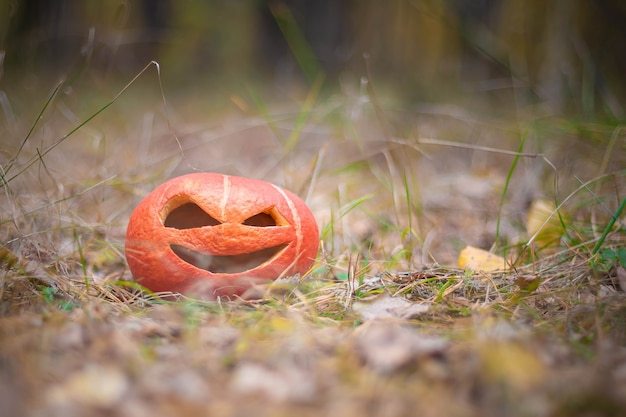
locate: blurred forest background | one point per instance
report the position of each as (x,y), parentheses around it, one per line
(559,56)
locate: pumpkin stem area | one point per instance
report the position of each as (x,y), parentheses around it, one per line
(230,264)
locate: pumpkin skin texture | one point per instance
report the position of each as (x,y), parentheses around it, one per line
(214,235)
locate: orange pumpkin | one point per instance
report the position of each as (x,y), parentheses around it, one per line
(218,235)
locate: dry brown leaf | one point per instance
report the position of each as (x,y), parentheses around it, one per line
(100,386)
(186,384)
(386,306)
(621,277)
(480,260)
(388,347)
(284,384)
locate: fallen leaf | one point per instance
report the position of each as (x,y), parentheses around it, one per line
(388,347)
(480,260)
(386,306)
(512,364)
(187,384)
(621,277)
(100,386)
(528,283)
(284,384)
(543,223)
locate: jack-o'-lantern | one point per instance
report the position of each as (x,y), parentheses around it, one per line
(219,233)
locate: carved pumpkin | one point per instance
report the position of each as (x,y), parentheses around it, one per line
(217,235)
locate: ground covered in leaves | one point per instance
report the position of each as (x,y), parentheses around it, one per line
(386,323)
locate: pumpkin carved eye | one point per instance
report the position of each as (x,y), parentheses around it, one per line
(260,220)
(189,216)
(267,218)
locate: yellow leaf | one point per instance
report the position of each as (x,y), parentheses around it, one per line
(480,260)
(512,364)
(281,324)
(543,223)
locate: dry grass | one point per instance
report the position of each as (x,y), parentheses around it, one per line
(384,325)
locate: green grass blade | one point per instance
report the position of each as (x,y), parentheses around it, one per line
(608,227)
(297,42)
(507,183)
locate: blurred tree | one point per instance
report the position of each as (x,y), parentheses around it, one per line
(565,54)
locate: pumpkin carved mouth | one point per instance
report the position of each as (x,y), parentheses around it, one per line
(230,264)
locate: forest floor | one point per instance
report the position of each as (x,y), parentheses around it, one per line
(385,324)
